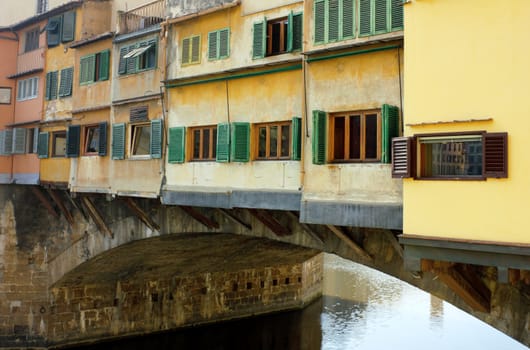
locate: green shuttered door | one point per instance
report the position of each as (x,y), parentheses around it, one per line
(177,139)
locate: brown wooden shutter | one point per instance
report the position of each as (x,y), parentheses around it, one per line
(402,159)
(495,155)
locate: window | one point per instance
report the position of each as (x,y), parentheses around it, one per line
(451,156)
(65,86)
(137,57)
(274,140)
(277,36)
(140,139)
(27,88)
(334,20)
(42,145)
(380,16)
(61,29)
(51,85)
(146,139)
(59,144)
(204,141)
(5,95)
(357,136)
(191,50)
(42,6)
(94,67)
(219,44)
(31,40)
(95,139)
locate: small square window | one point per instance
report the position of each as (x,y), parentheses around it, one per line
(59,144)
(274,141)
(204,141)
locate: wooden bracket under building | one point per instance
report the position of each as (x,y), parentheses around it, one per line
(305,227)
(198,216)
(59,202)
(96,216)
(234,218)
(270,221)
(38,193)
(146,219)
(356,248)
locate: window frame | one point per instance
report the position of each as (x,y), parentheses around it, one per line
(86,130)
(262,39)
(22,87)
(362,144)
(268,127)
(134,140)
(283,36)
(42,6)
(189,47)
(214,40)
(326,25)
(91,67)
(54,136)
(212,143)
(32,37)
(131,65)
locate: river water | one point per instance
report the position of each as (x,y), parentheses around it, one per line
(361,309)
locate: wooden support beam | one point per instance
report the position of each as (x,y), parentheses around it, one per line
(146,219)
(42,198)
(59,202)
(305,227)
(270,221)
(350,243)
(75,202)
(234,218)
(198,216)
(96,216)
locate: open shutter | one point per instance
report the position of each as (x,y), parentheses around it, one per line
(223,142)
(297,32)
(118,141)
(240,145)
(381,16)
(19,140)
(104,58)
(333,20)
(495,155)
(390,121)
(8,141)
(72,140)
(212,45)
(177,138)
(102,145)
(65,86)
(54,29)
(155,148)
(319,137)
(87,71)
(290,32)
(296,138)
(122,65)
(397,15)
(42,147)
(68,33)
(224,43)
(196,49)
(259,43)
(365,17)
(348,19)
(402,157)
(131,61)
(320,21)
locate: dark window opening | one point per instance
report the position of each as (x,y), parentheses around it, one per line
(277,36)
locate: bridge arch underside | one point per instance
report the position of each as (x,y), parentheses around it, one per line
(173,281)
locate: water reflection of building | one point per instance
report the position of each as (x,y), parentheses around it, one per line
(437,313)
(457,158)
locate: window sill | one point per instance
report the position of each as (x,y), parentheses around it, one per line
(467,178)
(142,157)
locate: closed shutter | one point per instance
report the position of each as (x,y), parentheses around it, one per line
(155,148)
(380,16)
(365,17)
(319,137)
(402,157)
(348,19)
(102,145)
(333,20)
(259,39)
(320,21)
(48,85)
(19,140)
(212,45)
(176,150)
(42,147)
(35,140)
(122,65)
(88,68)
(240,145)
(53,30)
(397,15)
(2,142)
(65,86)
(118,141)
(104,60)
(51,85)
(297,32)
(224,43)
(8,142)
(196,49)
(72,140)
(296,138)
(223,142)
(495,155)
(390,121)
(186,43)
(131,61)
(68,27)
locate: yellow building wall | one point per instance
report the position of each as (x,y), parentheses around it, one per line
(474,65)
(54,169)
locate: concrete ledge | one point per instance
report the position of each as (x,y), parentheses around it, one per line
(197,198)
(26,179)
(372,215)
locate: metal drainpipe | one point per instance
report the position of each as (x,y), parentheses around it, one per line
(305,129)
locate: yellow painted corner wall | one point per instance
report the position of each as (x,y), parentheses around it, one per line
(473,66)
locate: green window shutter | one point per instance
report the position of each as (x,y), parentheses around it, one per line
(224,43)
(212,45)
(296,138)
(259,43)
(348,19)
(319,137)
(186,42)
(155,148)
(54,29)
(177,139)
(365,17)
(42,147)
(131,61)
(290,32)
(297,32)
(8,141)
(240,145)
(72,140)
(118,141)
(48,85)
(320,21)
(88,68)
(53,85)
(19,141)
(65,87)
(380,16)
(102,146)
(104,59)
(333,20)
(122,65)
(390,126)
(223,142)
(397,15)
(68,33)
(196,49)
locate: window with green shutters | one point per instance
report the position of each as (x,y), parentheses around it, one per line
(219,44)
(277,36)
(94,67)
(65,86)
(223,143)
(380,16)
(42,146)
(191,50)
(334,20)
(61,29)
(95,139)
(118,141)
(73,134)
(240,142)
(51,85)
(391,129)
(68,30)
(137,57)
(176,147)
